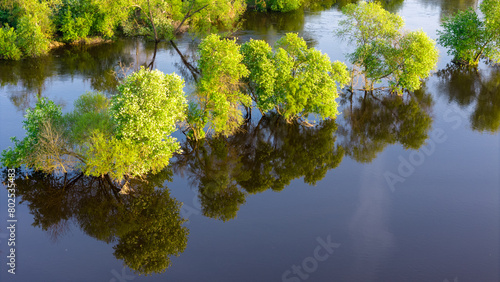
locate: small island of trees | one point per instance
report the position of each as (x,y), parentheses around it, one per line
(129,134)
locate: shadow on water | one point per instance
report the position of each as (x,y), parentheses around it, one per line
(477,88)
(145,225)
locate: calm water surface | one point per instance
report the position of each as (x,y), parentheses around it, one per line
(396,189)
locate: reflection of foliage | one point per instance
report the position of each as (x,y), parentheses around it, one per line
(268,155)
(95,64)
(266,25)
(449,7)
(465,86)
(372,123)
(145,224)
(390,5)
(147,250)
(277,153)
(215,166)
(262,22)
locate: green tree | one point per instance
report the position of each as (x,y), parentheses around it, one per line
(145,113)
(74,29)
(295,80)
(32,41)
(468,38)
(219,98)
(124,138)
(384,51)
(42,11)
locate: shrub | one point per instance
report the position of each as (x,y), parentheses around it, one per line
(8,47)
(32,41)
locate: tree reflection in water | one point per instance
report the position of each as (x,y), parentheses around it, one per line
(266,155)
(371,123)
(144,225)
(28,78)
(477,88)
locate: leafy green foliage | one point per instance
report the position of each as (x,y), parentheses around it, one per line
(32,41)
(8,47)
(160,19)
(125,138)
(411,61)
(74,29)
(75,20)
(463,34)
(218,15)
(259,59)
(45,112)
(145,113)
(42,11)
(36,22)
(294,80)
(90,114)
(467,37)
(383,50)
(219,95)
(284,5)
(276,5)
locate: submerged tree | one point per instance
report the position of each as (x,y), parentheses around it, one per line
(384,51)
(218,99)
(469,38)
(124,138)
(295,81)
